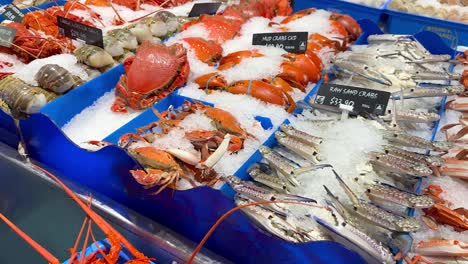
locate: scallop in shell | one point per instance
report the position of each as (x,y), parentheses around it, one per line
(93,56)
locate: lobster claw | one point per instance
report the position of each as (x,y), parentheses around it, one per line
(236,57)
(263,91)
(280,83)
(211,81)
(306,65)
(294,75)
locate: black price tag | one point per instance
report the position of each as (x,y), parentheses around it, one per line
(362,100)
(204,8)
(75,30)
(6,36)
(12,12)
(290,41)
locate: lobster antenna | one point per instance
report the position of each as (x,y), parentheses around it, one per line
(115,11)
(150,13)
(74,3)
(98,247)
(38,23)
(75,246)
(354,198)
(16,46)
(78,237)
(100,222)
(44,253)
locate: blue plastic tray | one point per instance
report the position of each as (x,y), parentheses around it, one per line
(357,11)
(125,256)
(452,33)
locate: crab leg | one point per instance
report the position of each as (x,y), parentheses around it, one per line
(442,247)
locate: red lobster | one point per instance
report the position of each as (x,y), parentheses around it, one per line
(114,237)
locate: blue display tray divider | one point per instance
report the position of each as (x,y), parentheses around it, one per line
(357,11)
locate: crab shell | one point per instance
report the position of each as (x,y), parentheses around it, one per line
(214,138)
(160,166)
(153,73)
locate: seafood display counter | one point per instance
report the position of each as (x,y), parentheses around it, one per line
(230,144)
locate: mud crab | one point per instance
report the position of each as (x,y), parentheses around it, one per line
(152,74)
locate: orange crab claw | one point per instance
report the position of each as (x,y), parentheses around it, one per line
(235,144)
(263,91)
(281,84)
(325,42)
(444,215)
(353,28)
(315,59)
(294,75)
(206,51)
(211,81)
(313,46)
(304,63)
(340,30)
(225,121)
(298,15)
(236,57)
(219,28)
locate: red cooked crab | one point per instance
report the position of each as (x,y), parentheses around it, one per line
(152,74)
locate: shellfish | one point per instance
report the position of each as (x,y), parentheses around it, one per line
(55,78)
